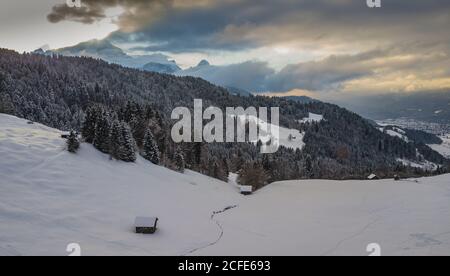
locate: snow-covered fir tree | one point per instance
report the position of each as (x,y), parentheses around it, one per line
(180,161)
(116,140)
(150,150)
(6,104)
(128,147)
(101,138)
(90,121)
(72,142)
(218,170)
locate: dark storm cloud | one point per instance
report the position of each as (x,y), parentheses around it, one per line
(84,14)
(411,38)
(321,75)
(95,10)
(410,68)
(312,76)
(177,25)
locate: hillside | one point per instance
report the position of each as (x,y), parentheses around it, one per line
(444,147)
(50,198)
(57,91)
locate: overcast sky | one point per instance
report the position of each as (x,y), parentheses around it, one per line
(313,47)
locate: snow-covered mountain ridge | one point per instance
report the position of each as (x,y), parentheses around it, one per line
(105,50)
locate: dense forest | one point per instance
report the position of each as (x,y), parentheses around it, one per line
(419,136)
(124,112)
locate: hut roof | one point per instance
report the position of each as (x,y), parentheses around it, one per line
(145,221)
(247,189)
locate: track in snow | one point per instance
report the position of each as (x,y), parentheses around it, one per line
(213,215)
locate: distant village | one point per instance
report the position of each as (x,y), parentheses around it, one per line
(434,128)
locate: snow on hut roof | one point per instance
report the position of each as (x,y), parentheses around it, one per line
(246,188)
(372,176)
(145,221)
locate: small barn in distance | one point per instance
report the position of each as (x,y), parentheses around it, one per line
(246,190)
(373,177)
(66,135)
(146,225)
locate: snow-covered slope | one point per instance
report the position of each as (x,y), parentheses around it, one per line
(276,135)
(341,218)
(443,148)
(424,164)
(50,198)
(395,132)
(312,118)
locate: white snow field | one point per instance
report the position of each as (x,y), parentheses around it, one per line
(312,118)
(396,132)
(443,148)
(288,138)
(50,198)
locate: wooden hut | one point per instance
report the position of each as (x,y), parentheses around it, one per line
(66,135)
(246,190)
(373,177)
(146,225)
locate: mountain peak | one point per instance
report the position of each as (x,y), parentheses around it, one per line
(204,62)
(44,48)
(96,44)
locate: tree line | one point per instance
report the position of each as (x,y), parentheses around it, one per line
(125,112)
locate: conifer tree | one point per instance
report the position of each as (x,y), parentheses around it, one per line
(6,105)
(226,167)
(253,174)
(197,154)
(218,170)
(151,151)
(102,129)
(90,121)
(128,149)
(116,140)
(72,143)
(179,161)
